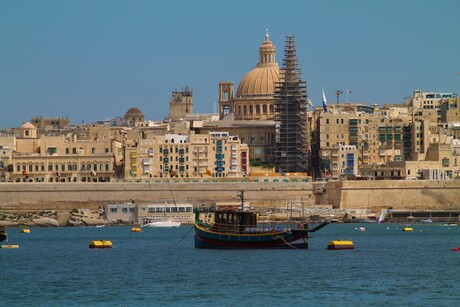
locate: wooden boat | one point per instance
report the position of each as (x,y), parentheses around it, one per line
(3,235)
(235,227)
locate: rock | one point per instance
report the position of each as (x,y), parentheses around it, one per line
(76,223)
(45,221)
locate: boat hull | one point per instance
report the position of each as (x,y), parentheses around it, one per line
(205,238)
(159,224)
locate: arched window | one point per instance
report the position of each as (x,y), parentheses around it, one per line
(251,109)
(245,111)
(264,109)
(271,108)
(257,109)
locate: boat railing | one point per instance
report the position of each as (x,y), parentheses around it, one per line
(248,229)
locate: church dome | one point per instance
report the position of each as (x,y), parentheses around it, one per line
(27,125)
(260,81)
(134,112)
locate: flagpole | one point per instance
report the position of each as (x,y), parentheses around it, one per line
(346,95)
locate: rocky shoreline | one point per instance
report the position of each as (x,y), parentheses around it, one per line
(73,218)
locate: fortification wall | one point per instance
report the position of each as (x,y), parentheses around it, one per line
(66,196)
(373,195)
(398,194)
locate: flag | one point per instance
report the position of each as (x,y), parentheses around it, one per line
(348,92)
(324,102)
(131,173)
(243,172)
(337,92)
(309,103)
(208,172)
(281,172)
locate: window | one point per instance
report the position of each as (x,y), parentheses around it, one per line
(93,150)
(50,167)
(67,151)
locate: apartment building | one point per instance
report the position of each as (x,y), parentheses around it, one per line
(213,155)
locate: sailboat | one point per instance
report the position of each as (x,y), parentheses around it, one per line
(4,236)
(165,222)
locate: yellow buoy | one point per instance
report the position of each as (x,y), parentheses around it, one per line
(407,229)
(10,246)
(100,244)
(339,244)
(136,229)
(25,230)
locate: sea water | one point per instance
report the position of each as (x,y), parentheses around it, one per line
(161,267)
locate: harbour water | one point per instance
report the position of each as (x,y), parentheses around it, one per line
(161,267)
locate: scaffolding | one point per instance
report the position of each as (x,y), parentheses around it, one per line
(290,106)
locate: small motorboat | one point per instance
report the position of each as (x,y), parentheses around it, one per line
(456,249)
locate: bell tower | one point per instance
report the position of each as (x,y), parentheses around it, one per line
(225,99)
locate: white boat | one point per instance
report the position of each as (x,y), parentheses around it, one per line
(164,224)
(165,221)
(427,221)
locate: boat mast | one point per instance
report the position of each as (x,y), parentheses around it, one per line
(241,195)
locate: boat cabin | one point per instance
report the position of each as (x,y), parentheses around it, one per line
(233,220)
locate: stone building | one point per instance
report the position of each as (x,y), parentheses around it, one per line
(212,155)
(258,135)
(50,123)
(62,158)
(181,104)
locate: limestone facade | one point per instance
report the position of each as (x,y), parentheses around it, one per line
(211,155)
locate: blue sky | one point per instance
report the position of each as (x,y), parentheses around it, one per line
(92,60)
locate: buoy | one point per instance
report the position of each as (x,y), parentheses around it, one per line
(362,229)
(100,244)
(10,246)
(25,230)
(407,229)
(456,249)
(339,244)
(136,229)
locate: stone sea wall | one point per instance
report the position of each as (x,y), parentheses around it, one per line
(396,194)
(373,195)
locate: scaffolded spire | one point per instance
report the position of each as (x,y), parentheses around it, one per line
(292,139)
